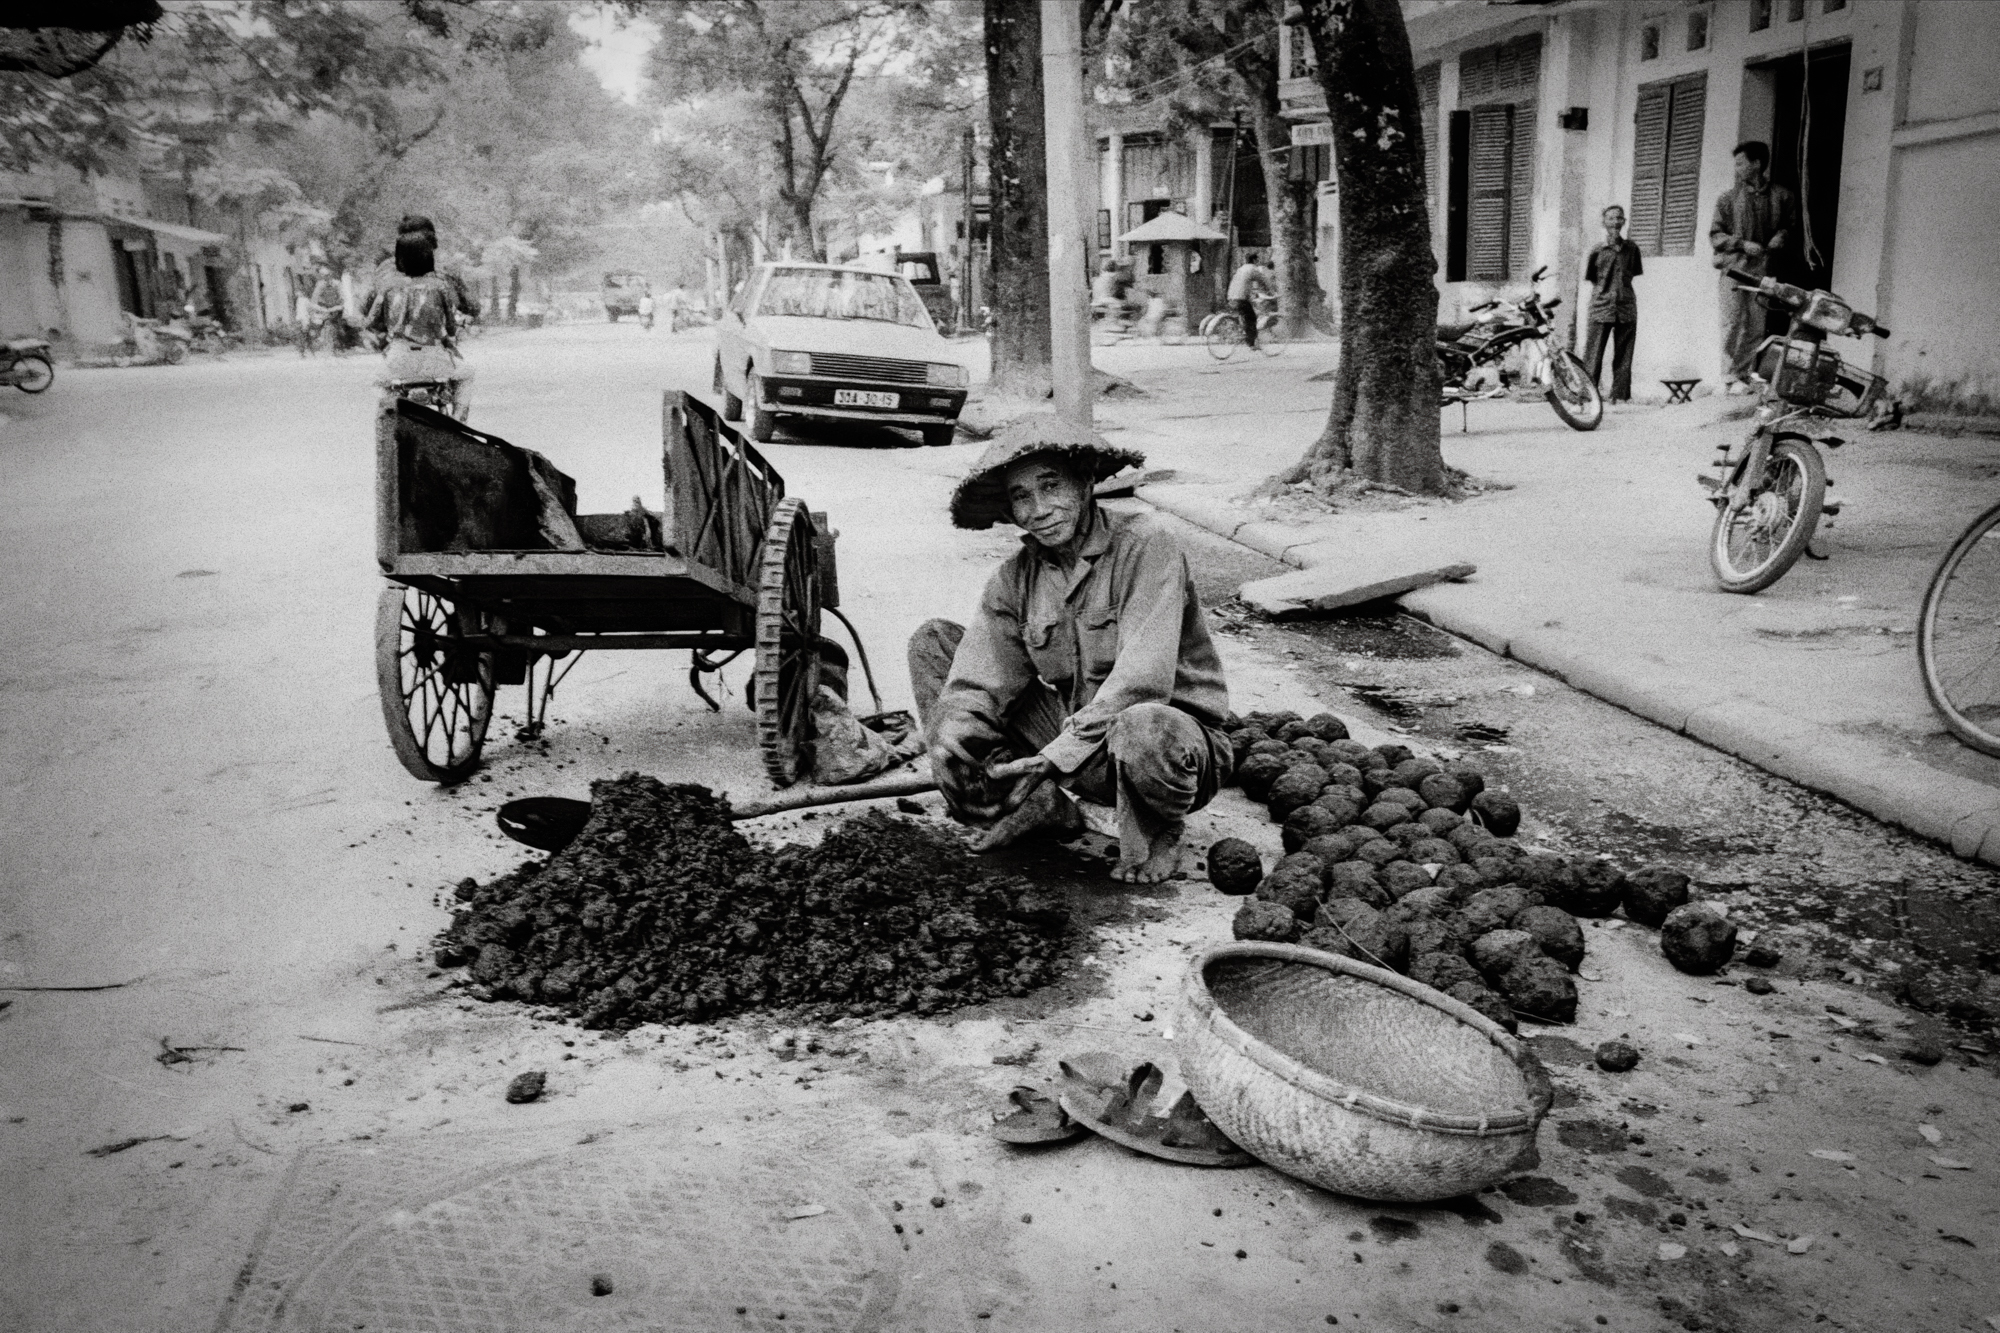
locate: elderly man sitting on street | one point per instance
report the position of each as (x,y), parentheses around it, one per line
(1088,670)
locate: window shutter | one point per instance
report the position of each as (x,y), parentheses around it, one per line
(1520,191)
(1492,169)
(1649,167)
(1679,207)
(1427,112)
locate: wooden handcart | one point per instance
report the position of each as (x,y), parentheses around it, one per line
(496,580)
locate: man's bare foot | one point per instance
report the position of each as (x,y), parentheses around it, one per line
(1158,855)
(1046,807)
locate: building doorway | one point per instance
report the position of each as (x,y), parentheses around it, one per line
(1798,105)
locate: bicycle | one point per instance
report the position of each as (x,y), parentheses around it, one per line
(1222,331)
(1958,635)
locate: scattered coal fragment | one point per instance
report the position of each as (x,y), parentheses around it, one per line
(527,1087)
(661,911)
(1758,986)
(1498,812)
(1763,955)
(1616,1056)
(1234,866)
(1697,939)
(1652,892)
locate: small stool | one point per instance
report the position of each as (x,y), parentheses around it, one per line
(1678,390)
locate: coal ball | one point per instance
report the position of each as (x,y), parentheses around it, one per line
(1271,721)
(1296,786)
(1763,955)
(1616,1057)
(1498,951)
(1406,834)
(1600,887)
(527,1087)
(1375,780)
(1498,812)
(1308,822)
(1241,741)
(1433,851)
(1338,846)
(1548,874)
(1487,1004)
(1412,772)
(1260,920)
(1427,900)
(1338,773)
(1401,877)
(1278,748)
(1393,755)
(1493,909)
(1256,774)
(1435,934)
(1234,866)
(1468,777)
(1362,933)
(1355,753)
(1697,939)
(1461,881)
(1442,971)
(1540,987)
(1652,892)
(1356,879)
(1291,731)
(1442,790)
(1344,811)
(1327,727)
(1556,933)
(1403,796)
(1294,883)
(1384,815)
(1349,793)
(1441,820)
(1379,852)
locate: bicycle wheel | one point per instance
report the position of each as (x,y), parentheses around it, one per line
(1224,334)
(1270,335)
(1958,635)
(1757,540)
(1571,392)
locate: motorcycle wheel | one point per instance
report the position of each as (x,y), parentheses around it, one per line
(1572,393)
(34,374)
(1755,542)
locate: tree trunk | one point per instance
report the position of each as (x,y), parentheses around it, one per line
(1291,247)
(1018,188)
(1384,421)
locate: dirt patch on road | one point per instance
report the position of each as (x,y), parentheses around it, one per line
(661,912)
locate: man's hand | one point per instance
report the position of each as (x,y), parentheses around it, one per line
(1033,766)
(965,740)
(1752,248)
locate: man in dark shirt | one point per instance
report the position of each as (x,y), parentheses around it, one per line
(1614,309)
(1755,221)
(1087,671)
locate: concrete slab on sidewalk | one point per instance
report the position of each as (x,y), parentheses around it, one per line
(1322,588)
(1592,566)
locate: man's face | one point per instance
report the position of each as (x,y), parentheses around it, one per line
(1747,171)
(1614,223)
(1046,501)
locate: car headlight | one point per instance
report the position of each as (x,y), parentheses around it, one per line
(792,363)
(945,376)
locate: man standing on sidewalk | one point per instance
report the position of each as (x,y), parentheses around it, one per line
(1087,671)
(1753,221)
(1251,280)
(1614,309)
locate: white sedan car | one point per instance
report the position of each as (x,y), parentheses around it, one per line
(835,343)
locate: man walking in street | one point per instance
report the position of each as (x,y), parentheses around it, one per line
(1250,281)
(1087,671)
(1754,220)
(1614,309)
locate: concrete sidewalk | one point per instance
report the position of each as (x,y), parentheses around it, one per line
(1593,567)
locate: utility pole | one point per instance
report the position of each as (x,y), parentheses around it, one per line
(965,251)
(1069,281)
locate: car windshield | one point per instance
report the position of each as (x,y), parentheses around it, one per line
(822,293)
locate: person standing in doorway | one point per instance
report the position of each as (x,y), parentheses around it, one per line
(1614,309)
(1754,222)
(1250,281)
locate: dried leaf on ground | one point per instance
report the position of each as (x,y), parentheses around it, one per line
(1951,1163)
(1669,1250)
(1931,1134)
(1799,1244)
(1751,1233)
(1831,1155)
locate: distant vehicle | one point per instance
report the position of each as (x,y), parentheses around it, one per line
(25,363)
(838,343)
(921,268)
(622,292)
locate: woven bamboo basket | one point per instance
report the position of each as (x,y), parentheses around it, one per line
(1354,1078)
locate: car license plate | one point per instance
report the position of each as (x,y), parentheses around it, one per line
(863,398)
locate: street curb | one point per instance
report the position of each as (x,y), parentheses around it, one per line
(1942,807)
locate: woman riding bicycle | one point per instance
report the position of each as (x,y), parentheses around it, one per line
(415,313)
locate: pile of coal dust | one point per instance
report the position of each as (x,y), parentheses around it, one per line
(661,912)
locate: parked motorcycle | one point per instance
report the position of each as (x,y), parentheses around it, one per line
(1506,347)
(1769,489)
(198,333)
(25,363)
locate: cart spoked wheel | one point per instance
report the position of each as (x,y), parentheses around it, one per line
(787,672)
(437,694)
